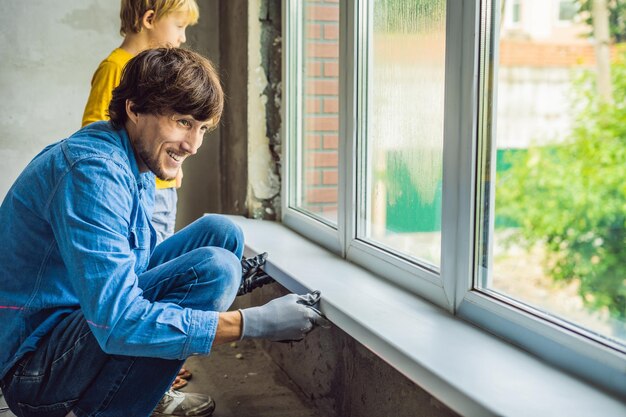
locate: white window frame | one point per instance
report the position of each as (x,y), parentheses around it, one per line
(466,113)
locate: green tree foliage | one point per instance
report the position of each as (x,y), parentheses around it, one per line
(571,198)
(617,17)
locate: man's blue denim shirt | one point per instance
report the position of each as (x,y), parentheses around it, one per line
(74,234)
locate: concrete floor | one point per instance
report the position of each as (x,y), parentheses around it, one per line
(244,382)
(252,386)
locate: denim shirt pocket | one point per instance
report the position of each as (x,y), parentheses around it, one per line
(139,241)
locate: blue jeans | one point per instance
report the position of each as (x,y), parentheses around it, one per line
(164,215)
(69,372)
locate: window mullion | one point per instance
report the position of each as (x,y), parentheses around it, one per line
(459,140)
(348,130)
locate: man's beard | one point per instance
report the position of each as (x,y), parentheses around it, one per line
(153,164)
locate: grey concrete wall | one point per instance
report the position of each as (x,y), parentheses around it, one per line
(234,136)
(200,192)
(216,179)
(49,50)
(341,376)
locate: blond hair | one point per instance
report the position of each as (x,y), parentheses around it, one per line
(132,11)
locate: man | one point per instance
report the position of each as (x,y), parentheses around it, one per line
(90,308)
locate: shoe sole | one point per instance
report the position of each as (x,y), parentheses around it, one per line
(207,413)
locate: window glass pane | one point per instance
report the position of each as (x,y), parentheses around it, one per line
(516,15)
(567,10)
(402,169)
(320,110)
(556,238)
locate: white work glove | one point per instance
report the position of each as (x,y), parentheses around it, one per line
(286,318)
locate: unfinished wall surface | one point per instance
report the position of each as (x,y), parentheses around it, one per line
(341,376)
(264,104)
(49,50)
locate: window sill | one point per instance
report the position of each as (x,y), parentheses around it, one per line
(472,372)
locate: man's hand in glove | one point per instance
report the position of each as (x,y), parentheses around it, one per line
(286,318)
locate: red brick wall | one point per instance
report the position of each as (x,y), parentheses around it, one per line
(321,106)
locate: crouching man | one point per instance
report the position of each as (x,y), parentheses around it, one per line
(94,318)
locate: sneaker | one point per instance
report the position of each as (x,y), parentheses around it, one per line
(187,404)
(252,274)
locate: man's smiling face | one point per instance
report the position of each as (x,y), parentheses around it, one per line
(163,142)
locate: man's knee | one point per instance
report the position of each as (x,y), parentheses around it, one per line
(227,229)
(222,269)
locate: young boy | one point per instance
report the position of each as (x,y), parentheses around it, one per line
(145,24)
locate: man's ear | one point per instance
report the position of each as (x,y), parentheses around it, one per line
(133,116)
(148,18)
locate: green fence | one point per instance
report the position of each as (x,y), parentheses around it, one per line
(408,212)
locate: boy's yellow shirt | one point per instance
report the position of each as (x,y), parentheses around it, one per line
(105,79)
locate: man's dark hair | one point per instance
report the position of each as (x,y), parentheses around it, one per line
(168,80)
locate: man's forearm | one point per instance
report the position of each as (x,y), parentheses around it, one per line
(228,327)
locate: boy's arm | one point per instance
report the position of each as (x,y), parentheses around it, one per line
(105,79)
